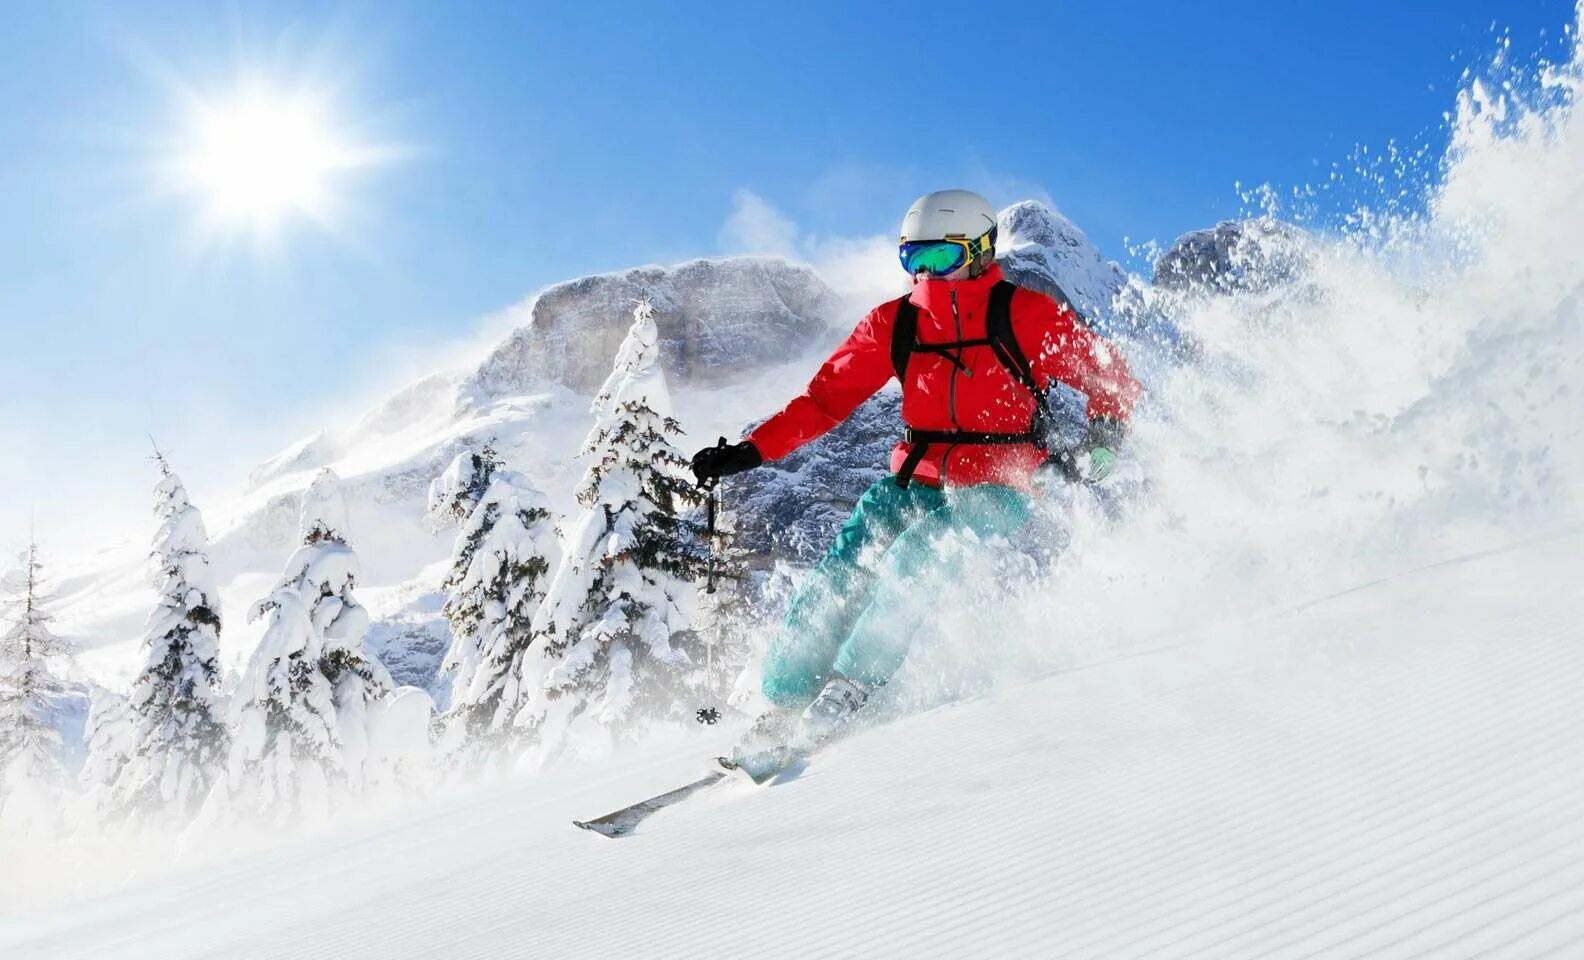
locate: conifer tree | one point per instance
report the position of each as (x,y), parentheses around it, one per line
(499,570)
(453,496)
(300,721)
(176,747)
(109,735)
(460,486)
(623,597)
(30,744)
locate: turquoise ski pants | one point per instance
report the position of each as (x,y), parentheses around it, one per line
(858,609)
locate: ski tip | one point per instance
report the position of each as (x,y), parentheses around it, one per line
(612,830)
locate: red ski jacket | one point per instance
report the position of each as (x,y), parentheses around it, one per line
(980,395)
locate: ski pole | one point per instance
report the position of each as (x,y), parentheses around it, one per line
(709,528)
(711,507)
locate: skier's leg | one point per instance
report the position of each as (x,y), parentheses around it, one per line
(836,591)
(918,572)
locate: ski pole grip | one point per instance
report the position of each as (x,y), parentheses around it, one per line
(1066,464)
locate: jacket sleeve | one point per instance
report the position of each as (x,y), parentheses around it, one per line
(858,368)
(1060,346)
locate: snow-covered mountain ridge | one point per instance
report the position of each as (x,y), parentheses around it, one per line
(1043,250)
(720,321)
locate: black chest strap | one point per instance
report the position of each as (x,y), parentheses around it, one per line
(1001,340)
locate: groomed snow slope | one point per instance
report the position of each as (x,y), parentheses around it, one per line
(1392,771)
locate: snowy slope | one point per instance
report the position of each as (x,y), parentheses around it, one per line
(1393,771)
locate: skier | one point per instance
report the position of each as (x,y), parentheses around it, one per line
(974,355)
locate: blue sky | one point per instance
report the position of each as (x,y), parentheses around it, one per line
(529,143)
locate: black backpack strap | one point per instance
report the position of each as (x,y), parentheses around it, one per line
(904,337)
(998,330)
(910,464)
(1003,340)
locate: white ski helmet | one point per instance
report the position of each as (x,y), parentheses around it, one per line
(948,214)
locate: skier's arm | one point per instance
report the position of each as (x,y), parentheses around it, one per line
(1060,346)
(858,368)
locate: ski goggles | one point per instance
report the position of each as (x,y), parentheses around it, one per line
(940,257)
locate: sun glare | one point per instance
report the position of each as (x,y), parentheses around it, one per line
(257,159)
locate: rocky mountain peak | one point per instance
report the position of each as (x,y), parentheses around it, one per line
(1029,221)
(1234,255)
(1043,250)
(719,319)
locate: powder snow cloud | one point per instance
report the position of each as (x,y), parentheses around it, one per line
(861,267)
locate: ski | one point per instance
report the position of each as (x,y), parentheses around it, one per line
(620,823)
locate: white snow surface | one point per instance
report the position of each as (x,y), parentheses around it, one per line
(1377,773)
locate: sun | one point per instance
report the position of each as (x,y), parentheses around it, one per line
(258,159)
(255,160)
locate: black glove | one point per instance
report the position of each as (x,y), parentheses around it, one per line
(1097,453)
(1092,459)
(1104,432)
(724,459)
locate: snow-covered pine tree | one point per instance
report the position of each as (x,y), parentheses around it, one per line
(299,722)
(178,740)
(30,745)
(452,498)
(109,735)
(499,570)
(460,486)
(623,595)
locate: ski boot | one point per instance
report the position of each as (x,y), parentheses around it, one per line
(779,739)
(762,751)
(829,714)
